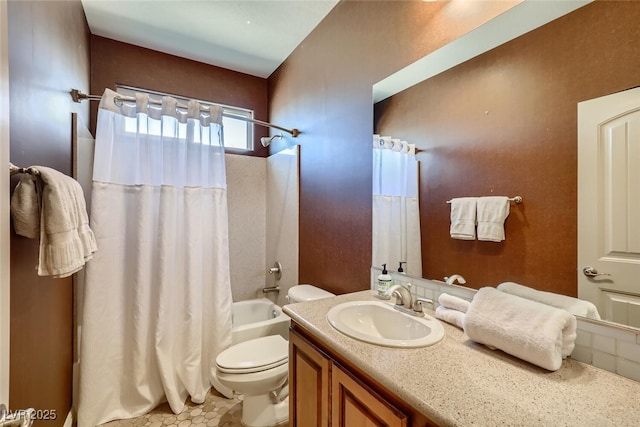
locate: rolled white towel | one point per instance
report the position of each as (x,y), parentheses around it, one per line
(535,332)
(453,302)
(449,315)
(575,306)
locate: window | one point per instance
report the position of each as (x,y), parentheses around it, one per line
(238,133)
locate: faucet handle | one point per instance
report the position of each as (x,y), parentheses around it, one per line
(417,303)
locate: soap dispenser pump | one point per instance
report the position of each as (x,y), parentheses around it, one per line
(384,283)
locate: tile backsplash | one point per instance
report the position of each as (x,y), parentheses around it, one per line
(610,347)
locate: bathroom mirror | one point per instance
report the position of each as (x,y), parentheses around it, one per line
(502,120)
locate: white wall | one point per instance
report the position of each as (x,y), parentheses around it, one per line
(4,206)
(247,198)
(263,223)
(282,219)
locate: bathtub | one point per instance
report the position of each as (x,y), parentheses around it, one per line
(257,318)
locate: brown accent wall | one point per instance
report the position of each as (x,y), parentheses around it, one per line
(48,55)
(324,88)
(114,62)
(505,123)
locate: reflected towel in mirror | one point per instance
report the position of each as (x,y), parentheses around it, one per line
(453,302)
(463,218)
(492,212)
(575,306)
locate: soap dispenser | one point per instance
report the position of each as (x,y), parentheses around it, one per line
(384,283)
(400,269)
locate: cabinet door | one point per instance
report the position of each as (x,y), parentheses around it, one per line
(354,405)
(309,372)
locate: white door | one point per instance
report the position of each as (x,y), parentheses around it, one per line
(4,207)
(609,205)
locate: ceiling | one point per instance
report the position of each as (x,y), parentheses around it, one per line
(250,36)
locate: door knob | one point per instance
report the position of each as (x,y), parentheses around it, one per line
(592,272)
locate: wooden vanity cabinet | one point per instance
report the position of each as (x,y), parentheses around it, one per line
(327,391)
(309,376)
(353,404)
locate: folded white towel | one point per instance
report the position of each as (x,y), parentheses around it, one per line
(492,211)
(66,241)
(575,306)
(449,315)
(463,218)
(535,332)
(454,303)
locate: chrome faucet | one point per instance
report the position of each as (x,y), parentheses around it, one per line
(402,294)
(454,278)
(405,302)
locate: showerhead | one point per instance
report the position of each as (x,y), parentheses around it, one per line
(266,140)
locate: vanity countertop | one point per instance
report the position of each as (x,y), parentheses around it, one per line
(459,382)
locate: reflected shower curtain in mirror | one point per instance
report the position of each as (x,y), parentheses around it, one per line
(157,302)
(396,215)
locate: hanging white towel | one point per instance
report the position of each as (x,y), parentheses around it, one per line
(453,302)
(492,211)
(66,241)
(463,218)
(535,332)
(575,306)
(25,207)
(449,315)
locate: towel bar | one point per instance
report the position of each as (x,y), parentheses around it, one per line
(517,199)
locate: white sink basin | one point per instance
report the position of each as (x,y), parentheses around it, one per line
(379,323)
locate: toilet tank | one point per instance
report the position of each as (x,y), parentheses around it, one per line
(301,293)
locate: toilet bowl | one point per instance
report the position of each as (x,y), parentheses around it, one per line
(255,368)
(259,369)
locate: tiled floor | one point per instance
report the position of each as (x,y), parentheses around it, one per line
(215,411)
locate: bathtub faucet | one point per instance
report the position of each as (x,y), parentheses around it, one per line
(271,289)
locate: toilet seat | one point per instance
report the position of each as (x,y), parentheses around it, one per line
(255,355)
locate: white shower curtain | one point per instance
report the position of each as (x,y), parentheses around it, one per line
(396,211)
(157,303)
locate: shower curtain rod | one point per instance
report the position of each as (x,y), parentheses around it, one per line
(78,96)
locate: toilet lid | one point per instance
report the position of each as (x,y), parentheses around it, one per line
(254,355)
(301,293)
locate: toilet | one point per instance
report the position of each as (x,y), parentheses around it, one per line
(259,369)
